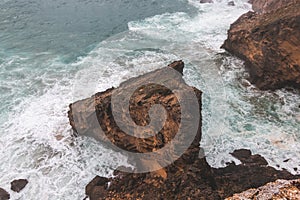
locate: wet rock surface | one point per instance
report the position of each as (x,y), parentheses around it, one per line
(4,195)
(190,176)
(268,40)
(93,117)
(18,185)
(191,181)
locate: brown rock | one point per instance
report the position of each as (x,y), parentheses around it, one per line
(278,190)
(18,185)
(4,195)
(189,177)
(93,116)
(191,181)
(270,45)
(264,6)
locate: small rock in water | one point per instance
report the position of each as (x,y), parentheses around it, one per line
(231,3)
(206,1)
(18,185)
(245,83)
(4,195)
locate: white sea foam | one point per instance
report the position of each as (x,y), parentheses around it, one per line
(235,114)
(35,142)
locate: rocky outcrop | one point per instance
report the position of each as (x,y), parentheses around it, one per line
(189,176)
(192,181)
(4,195)
(18,185)
(94,117)
(278,190)
(269,43)
(264,6)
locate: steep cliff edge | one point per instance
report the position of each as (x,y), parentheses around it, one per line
(269,42)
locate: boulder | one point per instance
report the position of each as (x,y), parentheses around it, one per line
(231,3)
(18,185)
(104,118)
(4,195)
(269,43)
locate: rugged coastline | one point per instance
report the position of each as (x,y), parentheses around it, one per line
(268,41)
(189,177)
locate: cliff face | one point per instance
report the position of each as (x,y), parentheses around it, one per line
(264,6)
(269,43)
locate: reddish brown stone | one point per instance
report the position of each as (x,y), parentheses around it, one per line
(191,181)
(189,177)
(98,113)
(269,43)
(264,6)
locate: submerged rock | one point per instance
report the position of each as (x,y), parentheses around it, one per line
(18,185)
(4,195)
(269,43)
(231,3)
(206,1)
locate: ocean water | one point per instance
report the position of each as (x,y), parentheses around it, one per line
(55,52)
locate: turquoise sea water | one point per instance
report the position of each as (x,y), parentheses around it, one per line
(55,52)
